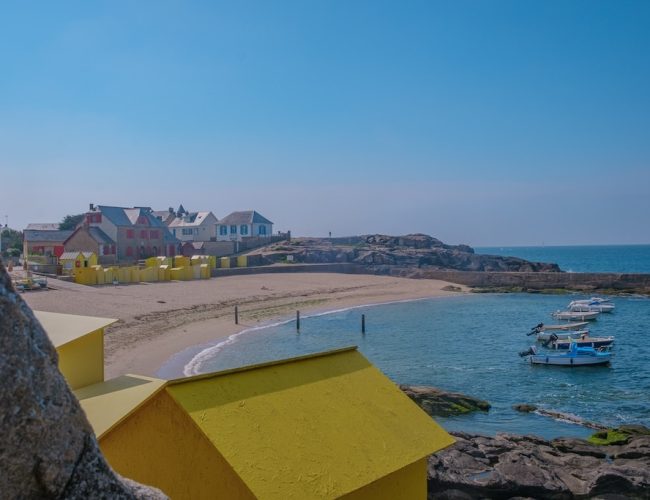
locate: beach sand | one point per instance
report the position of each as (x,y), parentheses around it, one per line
(159,320)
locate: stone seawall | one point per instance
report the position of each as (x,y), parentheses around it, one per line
(483,279)
(536,281)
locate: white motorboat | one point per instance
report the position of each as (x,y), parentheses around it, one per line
(575,356)
(562,335)
(564,326)
(588,305)
(586,341)
(576,315)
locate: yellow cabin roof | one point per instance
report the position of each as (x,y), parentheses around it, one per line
(325,424)
(108,403)
(64,328)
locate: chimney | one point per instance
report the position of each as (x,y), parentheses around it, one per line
(92,207)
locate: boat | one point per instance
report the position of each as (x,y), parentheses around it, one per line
(575,356)
(576,315)
(565,326)
(571,334)
(587,305)
(595,342)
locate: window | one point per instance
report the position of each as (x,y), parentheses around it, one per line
(261,230)
(94,218)
(144,234)
(187,231)
(130,233)
(154,235)
(233,229)
(223,230)
(107,249)
(112,249)
(129,252)
(243,229)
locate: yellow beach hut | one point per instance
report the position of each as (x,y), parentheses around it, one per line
(75,260)
(79,342)
(327,425)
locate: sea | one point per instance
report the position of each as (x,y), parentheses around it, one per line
(470,343)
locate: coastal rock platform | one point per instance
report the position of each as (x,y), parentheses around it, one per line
(513,466)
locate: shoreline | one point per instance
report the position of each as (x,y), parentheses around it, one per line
(161,325)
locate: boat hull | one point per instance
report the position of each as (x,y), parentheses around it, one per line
(560,335)
(562,360)
(576,316)
(563,345)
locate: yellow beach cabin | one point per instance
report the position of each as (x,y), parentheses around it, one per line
(327,425)
(79,342)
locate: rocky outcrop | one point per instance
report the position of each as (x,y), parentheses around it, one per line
(439,403)
(48,449)
(509,466)
(385,254)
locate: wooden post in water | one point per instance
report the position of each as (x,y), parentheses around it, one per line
(363,324)
(298,320)
(236,315)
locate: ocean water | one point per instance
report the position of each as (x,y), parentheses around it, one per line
(583,259)
(470,344)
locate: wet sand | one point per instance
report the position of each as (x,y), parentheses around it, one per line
(157,321)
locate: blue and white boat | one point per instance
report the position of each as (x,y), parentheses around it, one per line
(592,304)
(575,356)
(586,341)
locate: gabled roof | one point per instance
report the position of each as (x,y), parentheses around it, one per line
(64,328)
(100,236)
(43,226)
(106,404)
(329,422)
(47,235)
(192,219)
(72,255)
(244,217)
(115,214)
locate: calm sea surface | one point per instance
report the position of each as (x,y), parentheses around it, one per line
(583,259)
(470,344)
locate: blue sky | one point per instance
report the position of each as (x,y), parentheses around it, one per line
(479,122)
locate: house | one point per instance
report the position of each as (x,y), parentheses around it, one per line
(165,216)
(136,232)
(194,226)
(48,242)
(326,425)
(88,238)
(245,224)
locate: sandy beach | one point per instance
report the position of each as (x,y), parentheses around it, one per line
(159,320)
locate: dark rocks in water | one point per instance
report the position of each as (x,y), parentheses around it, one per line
(48,447)
(510,466)
(524,408)
(385,254)
(439,403)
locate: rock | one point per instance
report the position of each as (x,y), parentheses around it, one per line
(509,466)
(437,402)
(48,447)
(524,408)
(383,254)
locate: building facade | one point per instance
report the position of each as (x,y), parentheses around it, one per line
(238,226)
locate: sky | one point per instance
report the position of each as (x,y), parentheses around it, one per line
(480,122)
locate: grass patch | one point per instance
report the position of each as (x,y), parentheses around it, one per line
(609,436)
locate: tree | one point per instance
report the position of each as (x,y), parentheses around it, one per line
(70,221)
(11,239)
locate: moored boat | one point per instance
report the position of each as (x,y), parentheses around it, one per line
(564,326)
(576,315)
(575,356)
(559,335)
(595,342)
(587,305)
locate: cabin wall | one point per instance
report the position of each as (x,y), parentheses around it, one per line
(159,445)
(410,483)
(82,361)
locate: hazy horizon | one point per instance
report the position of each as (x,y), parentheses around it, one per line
(486,123)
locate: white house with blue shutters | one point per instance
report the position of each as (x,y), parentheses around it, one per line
(245,224)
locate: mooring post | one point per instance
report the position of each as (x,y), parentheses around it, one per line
(236,315)
(363,324)
(298,320)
